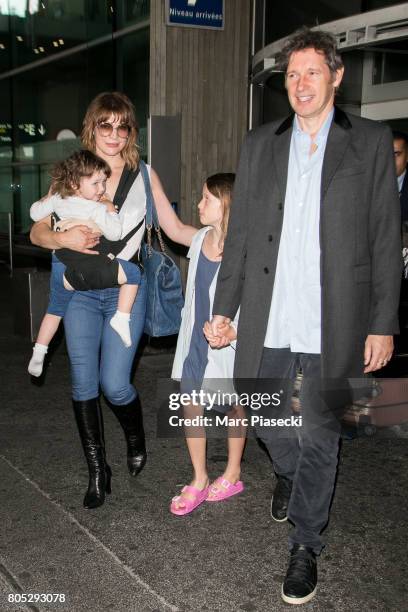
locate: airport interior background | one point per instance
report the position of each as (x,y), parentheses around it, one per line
(56,55)
(376,68)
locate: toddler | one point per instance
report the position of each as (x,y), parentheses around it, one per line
(76,198)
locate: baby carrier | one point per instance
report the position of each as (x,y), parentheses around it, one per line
(84,271)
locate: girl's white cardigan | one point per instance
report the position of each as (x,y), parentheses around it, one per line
(220,361)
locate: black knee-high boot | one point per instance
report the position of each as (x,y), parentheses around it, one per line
(131,419)
(89,420)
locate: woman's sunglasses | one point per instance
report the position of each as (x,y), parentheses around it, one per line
(106,129)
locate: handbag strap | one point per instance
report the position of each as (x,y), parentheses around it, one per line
(152,219)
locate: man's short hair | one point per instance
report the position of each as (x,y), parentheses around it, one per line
(305,38)
(397,135)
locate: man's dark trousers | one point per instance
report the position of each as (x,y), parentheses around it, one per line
(308,455)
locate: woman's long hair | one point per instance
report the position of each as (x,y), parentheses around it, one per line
(100,110)
(220,185)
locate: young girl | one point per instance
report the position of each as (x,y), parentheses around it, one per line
(196,363)
(77,188)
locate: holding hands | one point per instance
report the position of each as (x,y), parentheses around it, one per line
(219,332)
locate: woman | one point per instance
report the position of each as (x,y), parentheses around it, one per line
(98,357)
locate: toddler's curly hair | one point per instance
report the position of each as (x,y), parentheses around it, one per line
(66,175)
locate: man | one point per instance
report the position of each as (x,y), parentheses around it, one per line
(401,161)
(313,259)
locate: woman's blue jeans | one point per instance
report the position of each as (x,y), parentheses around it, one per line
(99,359)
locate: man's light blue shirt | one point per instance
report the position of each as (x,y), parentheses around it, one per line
(295,313)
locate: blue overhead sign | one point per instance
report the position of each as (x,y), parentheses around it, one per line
(196,13)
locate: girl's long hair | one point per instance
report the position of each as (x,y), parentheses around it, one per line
(100,110)
(220,185)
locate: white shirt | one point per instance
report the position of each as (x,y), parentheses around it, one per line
(74,207)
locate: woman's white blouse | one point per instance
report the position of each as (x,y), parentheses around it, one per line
(132,212)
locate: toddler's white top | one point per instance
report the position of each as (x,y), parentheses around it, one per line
(74,207)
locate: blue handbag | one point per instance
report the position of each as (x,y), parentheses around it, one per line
(164,289)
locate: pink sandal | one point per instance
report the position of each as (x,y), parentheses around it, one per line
(189,504)
(228,489)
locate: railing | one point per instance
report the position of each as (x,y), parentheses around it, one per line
(9,242)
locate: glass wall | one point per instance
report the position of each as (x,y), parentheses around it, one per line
(48,77)
(35,29)
(6,155)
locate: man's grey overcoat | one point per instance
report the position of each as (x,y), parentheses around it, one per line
(360,241)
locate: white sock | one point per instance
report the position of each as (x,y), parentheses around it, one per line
(120,323)
(35,367)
